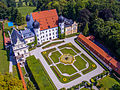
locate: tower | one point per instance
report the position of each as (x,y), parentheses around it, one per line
(29,21)
(19,47)
(61,24)
(36,27)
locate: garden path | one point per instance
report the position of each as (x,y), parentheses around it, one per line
(37,53)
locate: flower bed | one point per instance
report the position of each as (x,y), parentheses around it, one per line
(45,55)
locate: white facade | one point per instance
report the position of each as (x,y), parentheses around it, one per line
(61,25)
(46,35)
(29,40)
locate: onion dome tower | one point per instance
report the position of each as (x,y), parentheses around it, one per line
(36,24)
(61,19)
(27,18)
(61,23)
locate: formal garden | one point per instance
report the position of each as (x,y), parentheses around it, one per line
(67,62)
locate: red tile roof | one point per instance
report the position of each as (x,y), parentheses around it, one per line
(114,64)
(95,47)
(47,18)
(21,76)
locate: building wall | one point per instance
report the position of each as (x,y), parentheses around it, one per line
(23,51)
(61,25)
(68,30)
(72,29)
(30,40)
(46,35)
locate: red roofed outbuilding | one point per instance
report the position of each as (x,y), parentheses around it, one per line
(111,62)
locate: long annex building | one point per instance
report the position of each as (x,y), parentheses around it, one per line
(110,61)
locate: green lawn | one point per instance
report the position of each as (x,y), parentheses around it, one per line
(15,71)
(4,60)
(90,68)
(52,44)
(61,77)
(39,74)
(85,89)
(23,71)
(107,82)
(79,63)
(45,55)
(69,69)
(26,10)
(70,45)
(55,56)
(68,51)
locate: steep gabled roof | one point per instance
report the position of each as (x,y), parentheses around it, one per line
(16,35)
(47,18)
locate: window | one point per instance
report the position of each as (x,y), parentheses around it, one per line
(53,30)
(53,33)
(24,51)
(43,32)
(18,53)
(46,31)
(38,39)
(37,35)
(30,40)
(50,34)
(53,36)
(49,30)
(47,38)
(46,35)
(41,36)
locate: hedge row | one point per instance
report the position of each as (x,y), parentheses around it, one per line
(91,55)
(38,74)
(61,77)
(45,55)
(52,44)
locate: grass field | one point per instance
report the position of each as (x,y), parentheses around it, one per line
(15,71)
(68,51)
(91,67)
(107,82)
(41,77)
(55,56)
(45,55)
(4,62)
(26,10)
(52,44)
(61,77)
(79,63)
(70,45)
(69,69)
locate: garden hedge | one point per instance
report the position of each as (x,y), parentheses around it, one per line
(91,55)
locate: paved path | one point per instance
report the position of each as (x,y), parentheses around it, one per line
(37,53)
(12,61)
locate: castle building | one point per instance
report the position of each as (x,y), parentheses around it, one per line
(67,26)
(28,35)
(44,24)
(19,46)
